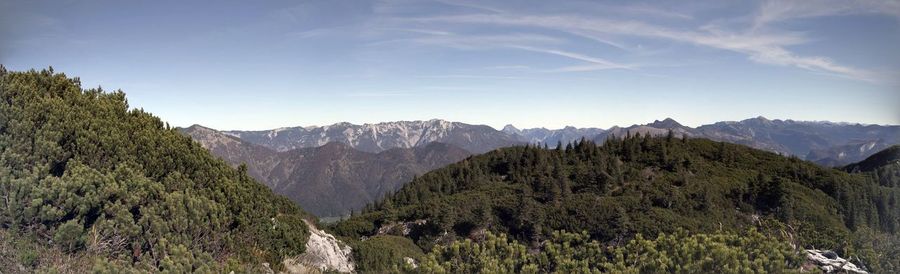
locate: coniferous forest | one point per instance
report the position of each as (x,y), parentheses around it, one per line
(83,175)
(90,185)
(633,188)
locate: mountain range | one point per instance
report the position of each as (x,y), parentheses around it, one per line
(382,136)
(333,179)
(825,143)
(337,169)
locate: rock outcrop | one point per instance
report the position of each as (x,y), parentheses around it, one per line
(830,262)
(323,253)
(401,229)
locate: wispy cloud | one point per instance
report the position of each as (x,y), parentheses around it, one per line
(471,5)
(420,31)
(510,67)
(475,42)
(380,94)
(468,76)
(778,11)
(642,9)
(762,47)
(595,62)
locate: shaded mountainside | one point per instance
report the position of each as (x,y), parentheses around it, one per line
(887,157)
(382,136)
(641,185)
(884,167)
(259,159)
(825,143)
(333,179)
(821,142)
(842,154)
(89,182)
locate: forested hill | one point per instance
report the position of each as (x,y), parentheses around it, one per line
(89,184)
(638,185)
(887,157)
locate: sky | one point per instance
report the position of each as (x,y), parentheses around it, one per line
(255,65)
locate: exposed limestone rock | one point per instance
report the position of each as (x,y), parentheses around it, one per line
(829,262)
(402,229)
(323,253)
(411,262)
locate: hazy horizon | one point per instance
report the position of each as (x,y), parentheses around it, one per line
(500,127)
(257,66)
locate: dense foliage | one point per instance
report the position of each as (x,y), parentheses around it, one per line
(563,252)
(385,253)
(883,166)
(81,171)
(638,185)
(888,156)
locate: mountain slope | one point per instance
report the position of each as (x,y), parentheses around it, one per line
(259,159)
(631,186)
(335,179)
(331,180)
(382,136)
(83,174)
(887,157)
(825,143)
(822,142)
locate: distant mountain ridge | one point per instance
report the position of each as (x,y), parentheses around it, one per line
(382,136)
(825,143)
(333,179)
(887,157)
(822,142)
(551,136)
(333,170)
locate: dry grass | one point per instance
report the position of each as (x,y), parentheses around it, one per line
(23,254)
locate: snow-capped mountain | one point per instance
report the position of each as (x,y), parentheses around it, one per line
(329,180)
(826,143)
(382,136)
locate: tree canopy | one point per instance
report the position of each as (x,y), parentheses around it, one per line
(83,172)
(638,185)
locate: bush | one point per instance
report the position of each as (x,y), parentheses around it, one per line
(69,236)
(384,253)
(74,160)
(576,253)
(28,258)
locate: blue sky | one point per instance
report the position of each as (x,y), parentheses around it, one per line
(268,64)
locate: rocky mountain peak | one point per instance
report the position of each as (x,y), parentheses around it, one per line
(665,123)
(510,129)
(198,127)
(760,120)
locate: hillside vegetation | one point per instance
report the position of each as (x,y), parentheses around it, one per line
(83,176)
(640,185)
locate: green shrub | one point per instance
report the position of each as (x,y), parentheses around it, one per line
(69,236)
(85,170)
(751,252)
(28,258)
(384,253)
